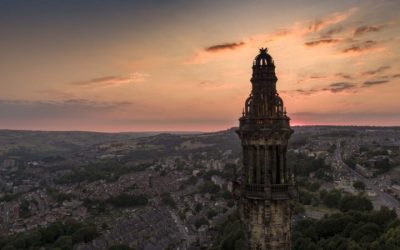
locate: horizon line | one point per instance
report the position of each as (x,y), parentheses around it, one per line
(190,131)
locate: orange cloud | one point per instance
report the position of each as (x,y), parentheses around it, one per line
(360,47)
(330,20)
(110,81)
(367,29)
(273,36)
(320,42)
(376,71)
(297,30)
(376,82)
(340,86)
(224,46)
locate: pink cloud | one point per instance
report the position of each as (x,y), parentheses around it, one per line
(111,81)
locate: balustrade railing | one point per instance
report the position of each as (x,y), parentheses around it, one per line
(280,121)
(275,191)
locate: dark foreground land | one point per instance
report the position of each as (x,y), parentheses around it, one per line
(85,190)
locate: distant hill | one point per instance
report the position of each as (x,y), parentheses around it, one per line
(15,142)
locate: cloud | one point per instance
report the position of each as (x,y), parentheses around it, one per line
(376,82)
(297,30)
(334,18)
(306,91)
(343,75)
(340,86)
(67,102)
(332,31)
(337,87)
(395,75)
(376,71)
(68,114)
(110,81)
(68,110)
(305,28)
(214,85)
(208,53)
(333,88)
(360,47)
(224,46)
(367,29)
(317,77)
(267,38)
(320,42)
(344,117)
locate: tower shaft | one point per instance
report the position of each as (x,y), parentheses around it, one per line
(266,184)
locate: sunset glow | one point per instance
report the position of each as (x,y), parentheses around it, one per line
(186,65)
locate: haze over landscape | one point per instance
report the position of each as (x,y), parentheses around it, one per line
(199,125)
(185,65)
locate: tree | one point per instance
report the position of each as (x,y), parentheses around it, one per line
(392,236)
(359,203)
(126,200)
(231,237)
(209,187)
(9,247)
(199,222)
(85,234)
(120,247)
(332,198)
(304,244)
(52,232)
(298,208)
(211,213)
(167,199)
(351,230)
(352,245)
(64,242)
(383,217)
(198,207)
(366,233)
(359,185)
(33,238)
(305,197)
(313,187)
(24,209)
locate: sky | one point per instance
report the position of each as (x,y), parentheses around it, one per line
(168,65)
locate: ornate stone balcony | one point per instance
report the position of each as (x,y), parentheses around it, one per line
(283,191)
(268,122)
(255,191)
(273,192)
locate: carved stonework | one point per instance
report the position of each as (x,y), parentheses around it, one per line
(266,187)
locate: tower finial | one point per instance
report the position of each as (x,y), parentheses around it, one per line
(263,50)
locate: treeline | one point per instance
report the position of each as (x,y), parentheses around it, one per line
(128,200)
(380,166)
(121,201)
(109,171)
(352,230)
(59,235)
(303,166)
(335,199)
(231,235)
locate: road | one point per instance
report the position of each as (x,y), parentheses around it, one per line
(182,229)
(382,198)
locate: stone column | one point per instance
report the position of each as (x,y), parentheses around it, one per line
(257,165)
(250,163)
(275,164)
(282,164)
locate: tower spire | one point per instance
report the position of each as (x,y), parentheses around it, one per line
(267,187)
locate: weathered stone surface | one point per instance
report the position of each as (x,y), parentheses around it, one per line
(266,185)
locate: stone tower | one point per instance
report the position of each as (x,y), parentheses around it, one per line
(266,187)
